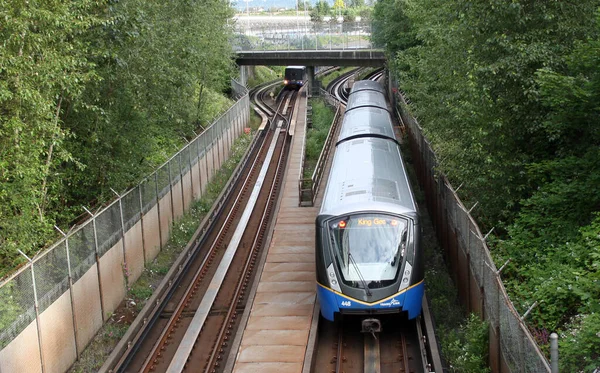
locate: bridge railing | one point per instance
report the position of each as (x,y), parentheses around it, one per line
(309,187)
(307,36)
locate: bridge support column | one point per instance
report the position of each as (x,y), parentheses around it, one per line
(244,73)
(313,87)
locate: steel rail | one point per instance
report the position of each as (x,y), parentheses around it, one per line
(207,261)
(216,354)
(339,362)
(187,343)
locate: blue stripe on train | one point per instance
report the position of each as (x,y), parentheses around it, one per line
(409,301)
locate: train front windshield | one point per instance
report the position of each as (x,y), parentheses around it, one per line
(369,248)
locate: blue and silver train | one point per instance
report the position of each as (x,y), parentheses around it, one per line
(368,253)
(294,77)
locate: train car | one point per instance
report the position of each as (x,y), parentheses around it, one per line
(367,85)
(366,121)
(294,77)
(368,253)
(366,98)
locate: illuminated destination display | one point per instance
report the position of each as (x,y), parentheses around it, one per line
(375,221)
(365,222)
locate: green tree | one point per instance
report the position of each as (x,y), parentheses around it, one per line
(392,28)
(43,67)
(356,3)
(320,10)
(157,61)
(93,95)
(507,93)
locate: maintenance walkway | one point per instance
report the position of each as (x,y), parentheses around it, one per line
(277,327)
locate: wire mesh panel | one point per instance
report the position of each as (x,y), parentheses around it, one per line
(194,151)
(184,158)
(462,220)
(202,143)
(509,337)
(108,228)
(450,207)
(82,250)
(18,306)
(212,137)
(492,294)
(174,169)
(148,190)
(531,353)
(131,207)
(476,250)
(163,180)
(239,89)
(51,275)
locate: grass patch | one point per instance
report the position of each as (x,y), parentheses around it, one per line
(335,74)
(101,346)
(139,292)
(262,74)
(364,72)
(322,118)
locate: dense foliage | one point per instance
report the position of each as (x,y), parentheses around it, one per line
(93,95)
(507,91)
(322,119)
(349,10)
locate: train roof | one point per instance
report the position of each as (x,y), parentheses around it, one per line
(366,98)
(365,121)
(296,67)
(368,174)
(367,85)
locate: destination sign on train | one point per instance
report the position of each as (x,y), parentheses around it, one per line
(375,221)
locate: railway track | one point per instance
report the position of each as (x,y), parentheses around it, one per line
(390,343)
(203,302)
(398,347)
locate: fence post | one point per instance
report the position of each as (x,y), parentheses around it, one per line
(204,138)
(171,190)
(122,236)
(97,263)
(221,141)
(142,221)
(554,352)
(37,311)
(212,150)
(158,209)
(181,184)
(191,171)
(70,279)
(199,165)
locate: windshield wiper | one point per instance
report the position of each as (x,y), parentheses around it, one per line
(359,274)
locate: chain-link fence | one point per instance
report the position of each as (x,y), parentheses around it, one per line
(128,223)
(512,348)
(303,35)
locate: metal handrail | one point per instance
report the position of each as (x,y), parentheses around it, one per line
(308,188)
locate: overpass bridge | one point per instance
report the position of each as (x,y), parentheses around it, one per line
(310,59)
(345,57)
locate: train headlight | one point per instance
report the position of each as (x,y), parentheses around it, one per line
(333,281)
(406,276)
(285,82)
